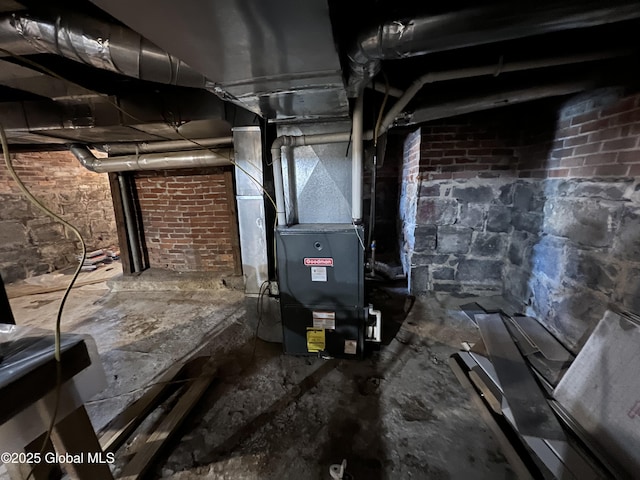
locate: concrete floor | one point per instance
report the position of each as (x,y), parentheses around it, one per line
(400,413)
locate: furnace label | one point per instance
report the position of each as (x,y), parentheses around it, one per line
(318,262)
(318,274)
(325,320)
(315,340)
(350,347)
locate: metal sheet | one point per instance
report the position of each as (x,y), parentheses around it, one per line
(546,343)
(532,414)
(247,145)
(249,48)
(317,179)
(601,389)
(28,80)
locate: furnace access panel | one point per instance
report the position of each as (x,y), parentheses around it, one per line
(321,279)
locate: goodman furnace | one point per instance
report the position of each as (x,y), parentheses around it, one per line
(321,279)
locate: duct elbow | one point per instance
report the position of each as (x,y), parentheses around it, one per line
(87,159)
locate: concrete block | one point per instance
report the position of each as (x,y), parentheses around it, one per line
(606,190)
(483,194)
(436,211)
(498,219)
(519,251)
(479,271)
(488,245)
(454,239)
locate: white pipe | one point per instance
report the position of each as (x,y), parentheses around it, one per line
(163,145)
(434,77)
(376,334)
(356,161)
(152,161)
(299,141)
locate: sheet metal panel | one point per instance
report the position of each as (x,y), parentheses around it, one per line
(601,389)
(532,414)
(254,53)
(317,178)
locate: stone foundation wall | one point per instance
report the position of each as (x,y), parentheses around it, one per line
(30,242)
(540,202)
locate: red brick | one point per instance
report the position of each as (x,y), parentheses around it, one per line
(612,171)
(596,125)
(575,141)
(454,153)
(585,117)
(441,161)
(572,162)
(629,157)
(600,158)
(619,144)
(621,106)
(582,171)
(587,149)
(558,172)
(607,134)
(634,171)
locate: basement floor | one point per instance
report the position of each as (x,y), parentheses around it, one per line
(400,413)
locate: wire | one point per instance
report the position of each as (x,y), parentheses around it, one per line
(59,219)
(259,310)
(355,227)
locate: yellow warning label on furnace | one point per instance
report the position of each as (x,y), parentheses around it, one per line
(315,340)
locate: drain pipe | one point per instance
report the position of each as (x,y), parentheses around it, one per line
(162,146)
(132,226)
(152,161)
(494,70)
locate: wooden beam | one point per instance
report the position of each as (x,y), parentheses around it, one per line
(143,459)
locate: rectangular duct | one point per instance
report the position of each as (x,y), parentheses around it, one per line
(247,143)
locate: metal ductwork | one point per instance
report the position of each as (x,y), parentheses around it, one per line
(152,161)
(398,39)
(95,43)
(163,146)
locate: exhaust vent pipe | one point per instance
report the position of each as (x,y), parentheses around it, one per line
(151,161)
(398,39)
(95,43)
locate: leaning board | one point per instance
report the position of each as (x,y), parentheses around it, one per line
(601,389)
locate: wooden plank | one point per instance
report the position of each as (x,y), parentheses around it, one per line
(121,227)
(74,435)
(142,460)
(530,409)
(233,221)
(507,449)
(119,429)
(41,470)
(482,381)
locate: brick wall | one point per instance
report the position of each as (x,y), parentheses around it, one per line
(30,242)
(186,219)
(541,202)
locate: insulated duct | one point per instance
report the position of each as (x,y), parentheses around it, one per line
(122,148)
(152,161)
(403,38)
(95,43)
